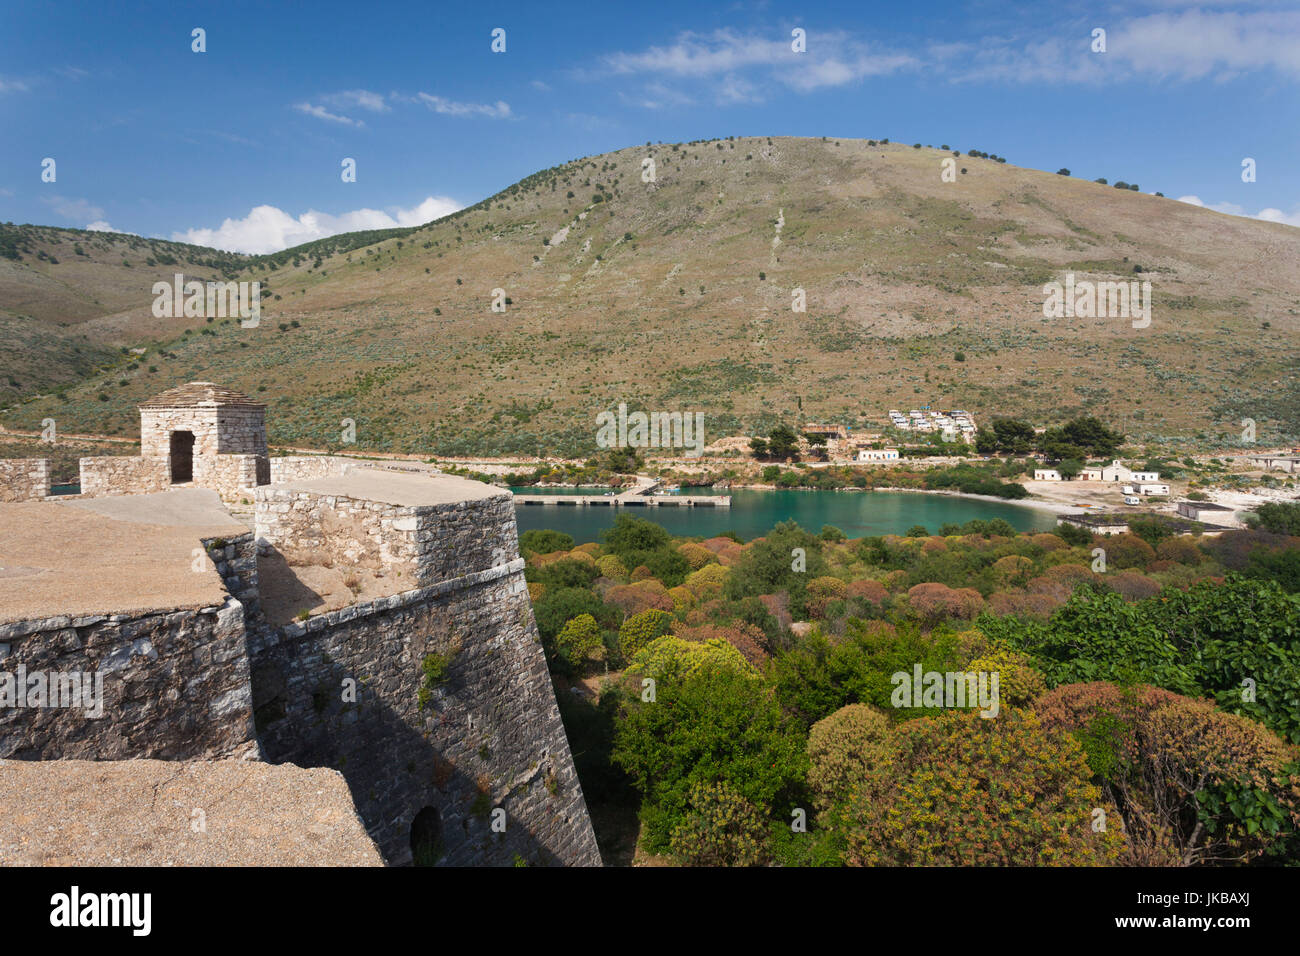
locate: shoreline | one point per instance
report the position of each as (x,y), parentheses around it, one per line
(1037,504)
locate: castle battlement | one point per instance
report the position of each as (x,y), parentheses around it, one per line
(374,624)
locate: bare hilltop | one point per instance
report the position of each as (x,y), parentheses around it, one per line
(670,287)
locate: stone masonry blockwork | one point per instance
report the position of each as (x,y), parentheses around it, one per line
(489,737)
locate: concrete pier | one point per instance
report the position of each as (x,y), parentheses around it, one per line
(640,496)
(627,501)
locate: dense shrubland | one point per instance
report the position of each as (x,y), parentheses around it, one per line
(1149,713)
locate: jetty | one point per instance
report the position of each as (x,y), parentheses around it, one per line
(641,496)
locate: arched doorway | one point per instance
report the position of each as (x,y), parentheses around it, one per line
(426,837)
(182,456)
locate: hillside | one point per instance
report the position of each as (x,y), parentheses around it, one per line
(675,295)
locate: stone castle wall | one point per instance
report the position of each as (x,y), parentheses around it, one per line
(429,542)
(487,738)
(175,685)
(236,561)
(434,703)
(24,479)
(307,467)
(233,477)
(124,475)
(289,468)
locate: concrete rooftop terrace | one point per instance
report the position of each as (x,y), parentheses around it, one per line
(118,555)
(396,488)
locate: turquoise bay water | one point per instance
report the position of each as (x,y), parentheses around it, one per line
(753,513)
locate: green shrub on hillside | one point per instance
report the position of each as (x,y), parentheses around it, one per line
(1238,641)
(961,790)
(719,725)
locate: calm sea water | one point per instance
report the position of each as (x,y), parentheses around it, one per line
(754,513)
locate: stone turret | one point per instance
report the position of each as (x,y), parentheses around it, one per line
(199,433)
(201,420)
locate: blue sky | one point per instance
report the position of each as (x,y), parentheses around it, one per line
(240,146)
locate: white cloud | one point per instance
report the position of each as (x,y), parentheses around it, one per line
(656,96)
(360,99)
(1185,45)
(12,86)
(1194,43)
(99,225)
(734,89)
(76,210)
(1182,45)
(1232,209)
(738,63)
(699,55)
(497,110)
(1291,218)
(541,87)
(269,229)
(321,112)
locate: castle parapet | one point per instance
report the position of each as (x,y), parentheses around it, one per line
(422,528)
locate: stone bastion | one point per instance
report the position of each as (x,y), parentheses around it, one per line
(372,625)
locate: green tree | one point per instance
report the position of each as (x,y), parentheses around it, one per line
(1280,517)
(784,560)
(1072,534)
(1013,436)
(558,607)
(580,640)
(1069,468)
(782,442)
(1208,640)
(629,535)
(1092,435)
(721,828)
(640,629)
(720,725)
(540,541)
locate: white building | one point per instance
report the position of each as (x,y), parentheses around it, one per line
(878,454)
(1046,474)
(1205,511)
(1115,471)
(1153,488)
